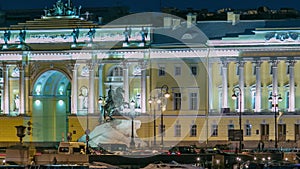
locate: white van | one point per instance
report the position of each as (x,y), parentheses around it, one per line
(72,148)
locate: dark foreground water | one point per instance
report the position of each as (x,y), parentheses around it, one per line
(43,167)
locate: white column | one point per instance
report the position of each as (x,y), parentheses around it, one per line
(91,95)
(126,82)
(143,86)
(2,91)
(242,85)
(224,85)
(22,89)
(275,80)
(100,81)
(6,90)
(292,86)
(258,87)
(74,90)
(210,86)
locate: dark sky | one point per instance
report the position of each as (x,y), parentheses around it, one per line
(153,5)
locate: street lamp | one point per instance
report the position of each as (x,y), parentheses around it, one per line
(164,88)
(234,97)
(151,101)
(87,132)
(275,99)
(132,114)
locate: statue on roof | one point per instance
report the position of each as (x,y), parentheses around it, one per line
(127,34)
(22,36)
(144,34)
(58,8)
(6,36)
(91,34)
(75,35)
(62,9)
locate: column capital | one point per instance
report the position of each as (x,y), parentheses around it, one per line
(258,63)
(20,66)
(241,63)
(291,62)
(274,63)
(125,64)
(143,64)
(224,63)
(91,66)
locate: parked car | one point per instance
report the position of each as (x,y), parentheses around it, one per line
(178,150)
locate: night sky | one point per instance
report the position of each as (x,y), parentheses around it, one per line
(154,5)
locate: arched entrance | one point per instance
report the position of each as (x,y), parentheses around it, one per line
(50,105)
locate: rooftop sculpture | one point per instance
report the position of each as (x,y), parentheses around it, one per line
(62,9)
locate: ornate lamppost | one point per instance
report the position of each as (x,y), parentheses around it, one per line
(234,97)
(275,98)
(132,115)
(151,101)
(163,92)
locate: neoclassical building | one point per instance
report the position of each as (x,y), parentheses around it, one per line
(55,69)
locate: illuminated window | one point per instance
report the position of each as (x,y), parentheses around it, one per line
(193,131)
(177,130)
(248,129)
(214,131)
(177,101)
(193,101)
(161,71)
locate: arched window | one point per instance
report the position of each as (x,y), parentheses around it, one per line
(116,71)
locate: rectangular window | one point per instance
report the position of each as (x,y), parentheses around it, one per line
(193,101)
(177,130)
(270,103)
(177,70)
(177,101)
(264,132)
(297,132)
(194,70)
(161,71)
(248,129)
(287,99)
(214,131)
(230,127)
(237,101)
(193,132)
(281,132)
(254,69)
(253,100)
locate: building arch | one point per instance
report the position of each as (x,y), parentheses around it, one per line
(42,71)
(51,104)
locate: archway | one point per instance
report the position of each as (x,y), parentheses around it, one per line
(50,105)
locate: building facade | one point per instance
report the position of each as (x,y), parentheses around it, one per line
(55,70)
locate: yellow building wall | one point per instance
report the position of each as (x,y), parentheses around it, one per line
(8,132)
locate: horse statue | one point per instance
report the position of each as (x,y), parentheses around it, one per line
(114,103)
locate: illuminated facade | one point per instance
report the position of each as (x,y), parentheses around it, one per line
(54,75)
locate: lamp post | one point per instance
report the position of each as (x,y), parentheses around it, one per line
(234,97)
(166,95)
(150,101)
(87,132)
(275,98)
(132,114)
